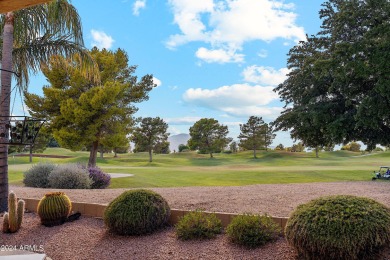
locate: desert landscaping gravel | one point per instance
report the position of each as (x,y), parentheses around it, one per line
(87,238)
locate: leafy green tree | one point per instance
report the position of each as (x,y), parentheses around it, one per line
(233,147)
(30,36)
(280,147)
(182,148)
(338,88)
(162,148)
(299,147)
(329,148)
(151,134)
(83,113)
(116,142)
(352,146)
(209,136)
(255,135)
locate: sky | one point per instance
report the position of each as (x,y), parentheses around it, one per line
(209,58)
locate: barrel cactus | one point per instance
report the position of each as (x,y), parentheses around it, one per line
(13,218)
(54,208)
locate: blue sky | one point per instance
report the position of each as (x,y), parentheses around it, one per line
(210,58)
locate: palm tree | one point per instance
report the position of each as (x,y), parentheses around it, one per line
(30,37)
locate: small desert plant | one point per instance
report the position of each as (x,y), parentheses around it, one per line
(198,225)
(136,212)
(339,227)
(37,175)
(100,180)
(12,219)
(252,230)
(69,176)
(54,208)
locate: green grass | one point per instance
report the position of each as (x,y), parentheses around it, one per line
(191,169)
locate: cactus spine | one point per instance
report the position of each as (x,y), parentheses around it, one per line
(54,208)
(13,219)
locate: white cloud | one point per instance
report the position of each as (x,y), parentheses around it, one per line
(265,75)
(174,130)
(138,5)
(218,55)
(235,100)
(227,24)
(101,39)
(157,81)
(187,120)
(262,53)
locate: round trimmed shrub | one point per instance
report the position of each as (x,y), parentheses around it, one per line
(198,225)
(339,227)
(252,230)
(136,212)
(37,175)
(100,180)
(69,176)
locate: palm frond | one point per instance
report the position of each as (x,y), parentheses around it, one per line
(44,30)
(28,58)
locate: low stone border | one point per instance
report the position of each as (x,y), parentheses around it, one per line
(97,211)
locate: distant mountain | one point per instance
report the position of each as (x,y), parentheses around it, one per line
(176,140)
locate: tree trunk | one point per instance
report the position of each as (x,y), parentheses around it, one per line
(101,154)
(115,153)
(254,153)
(6,64)
(211,155)
(150,155)
(317,151)
(93,154)
(31,148)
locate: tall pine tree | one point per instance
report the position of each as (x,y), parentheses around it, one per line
(83,113)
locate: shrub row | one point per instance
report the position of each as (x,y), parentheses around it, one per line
(66,176)
(138,212)
(335,227)
(247,230)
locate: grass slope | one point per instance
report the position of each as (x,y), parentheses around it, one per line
(191,169)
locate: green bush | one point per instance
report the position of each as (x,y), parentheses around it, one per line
(339,227)
(198,225)
(69,176)
(37,175)
(252,230)
(136,212)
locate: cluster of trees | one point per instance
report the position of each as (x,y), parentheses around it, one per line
(84,113)
(208,136)
(338,88)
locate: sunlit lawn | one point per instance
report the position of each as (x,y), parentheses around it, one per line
(191,169)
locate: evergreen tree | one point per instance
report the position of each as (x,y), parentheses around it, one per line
(151,135)
(209,136)
(82,113)
(255,135)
